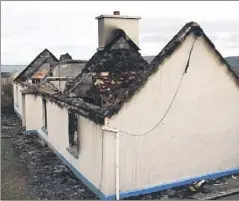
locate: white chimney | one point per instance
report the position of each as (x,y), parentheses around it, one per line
(108,23)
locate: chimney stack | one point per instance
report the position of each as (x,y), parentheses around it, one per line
(107,24)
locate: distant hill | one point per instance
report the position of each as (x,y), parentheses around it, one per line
(233,61)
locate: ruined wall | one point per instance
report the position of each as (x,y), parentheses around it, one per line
(90,136)
(33,112)
(199,133)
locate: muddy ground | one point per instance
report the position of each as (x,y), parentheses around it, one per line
(14,173)
(30,170)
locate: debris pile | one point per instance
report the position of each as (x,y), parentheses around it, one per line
(111,76)
(49,177)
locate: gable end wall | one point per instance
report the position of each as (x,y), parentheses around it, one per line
(199,134)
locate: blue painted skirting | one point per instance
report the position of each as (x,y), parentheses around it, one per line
(178,183)
(28,132)
(137,192)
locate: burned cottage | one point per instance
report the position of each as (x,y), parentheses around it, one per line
(126,127)
(34,73)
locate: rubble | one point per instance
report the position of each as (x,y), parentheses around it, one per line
(111,76)
(48,177)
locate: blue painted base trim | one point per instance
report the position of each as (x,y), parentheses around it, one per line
(135,192)
(28,132)
(178,183)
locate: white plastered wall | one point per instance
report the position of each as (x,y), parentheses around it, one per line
(33,112)
(90,156)
(199,134)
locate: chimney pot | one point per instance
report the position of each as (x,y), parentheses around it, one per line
(116,12)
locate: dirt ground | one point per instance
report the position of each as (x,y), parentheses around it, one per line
(30,170)
(14,173)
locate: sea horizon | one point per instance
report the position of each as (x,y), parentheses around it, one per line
(12,68)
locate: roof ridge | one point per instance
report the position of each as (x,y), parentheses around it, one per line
(189,28)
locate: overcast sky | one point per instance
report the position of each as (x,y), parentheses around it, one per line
(29,27)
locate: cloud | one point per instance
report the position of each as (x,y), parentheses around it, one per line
(223,33)
(30,27)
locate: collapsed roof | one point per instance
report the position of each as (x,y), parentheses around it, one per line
(113,75)
(43,64)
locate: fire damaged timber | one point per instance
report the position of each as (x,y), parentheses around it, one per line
(113,75)
(48,79)
(116,74)
(108,80)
